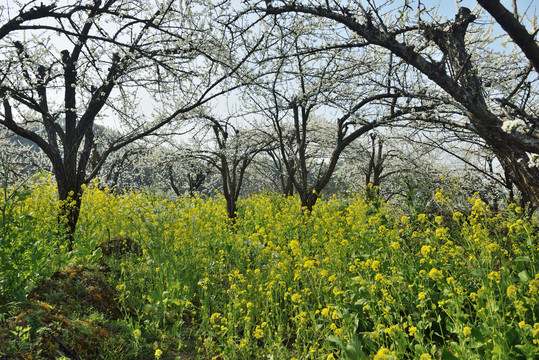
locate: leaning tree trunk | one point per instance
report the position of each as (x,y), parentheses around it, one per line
(525,178)
(487,125)
(462,82)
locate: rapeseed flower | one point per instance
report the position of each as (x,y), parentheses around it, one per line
(296,298)
(258,333)
(436,274)
(511,290)
(494,276)
(276,268)
(426,250)
(384,354)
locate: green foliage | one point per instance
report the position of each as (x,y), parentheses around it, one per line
(354,279)
(28,248)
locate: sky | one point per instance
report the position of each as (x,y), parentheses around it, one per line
(449,7)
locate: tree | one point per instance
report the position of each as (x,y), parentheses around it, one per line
(230,150)
(21,157)
(319,99)
(284,182)
(112,50)
(439,51)
(516,30)
(195,172)
(177,167)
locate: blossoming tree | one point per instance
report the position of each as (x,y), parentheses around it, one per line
(503,113)
(64,68)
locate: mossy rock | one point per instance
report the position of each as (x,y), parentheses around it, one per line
(75,313)
(51,332)
(84,290)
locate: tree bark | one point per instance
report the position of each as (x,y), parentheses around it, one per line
(70,200)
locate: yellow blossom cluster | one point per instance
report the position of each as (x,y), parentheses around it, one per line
(354,275)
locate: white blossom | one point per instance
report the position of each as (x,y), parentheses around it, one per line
(534,160)
(517,125)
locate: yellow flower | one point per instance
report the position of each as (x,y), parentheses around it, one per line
(426,250)
(457,216)
(425,357)
(259,333)
(296,298)
(384,354)
(511,290)
(436,274)
(158,353)
(375,265)
(214,317)
(422,295)
(412,331)
(534,287)
(536,330)
(467,331)
(494,276)
(136,333)
(294,244)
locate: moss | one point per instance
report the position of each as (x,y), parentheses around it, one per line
(73,313)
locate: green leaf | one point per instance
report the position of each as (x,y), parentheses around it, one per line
(524,277)
(523,259)
(448,355)
(353,349)
(335,341)
(361,302)
(420,349)
(497,350)
(96,255)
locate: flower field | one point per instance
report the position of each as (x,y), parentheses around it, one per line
(355,279)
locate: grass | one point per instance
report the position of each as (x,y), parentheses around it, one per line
(354,279)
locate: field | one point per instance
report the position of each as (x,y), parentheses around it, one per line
(355,279)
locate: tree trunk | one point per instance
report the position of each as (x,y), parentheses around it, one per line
(308,201)
(462,82)
(526,178)
(231,209)
(70,200)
